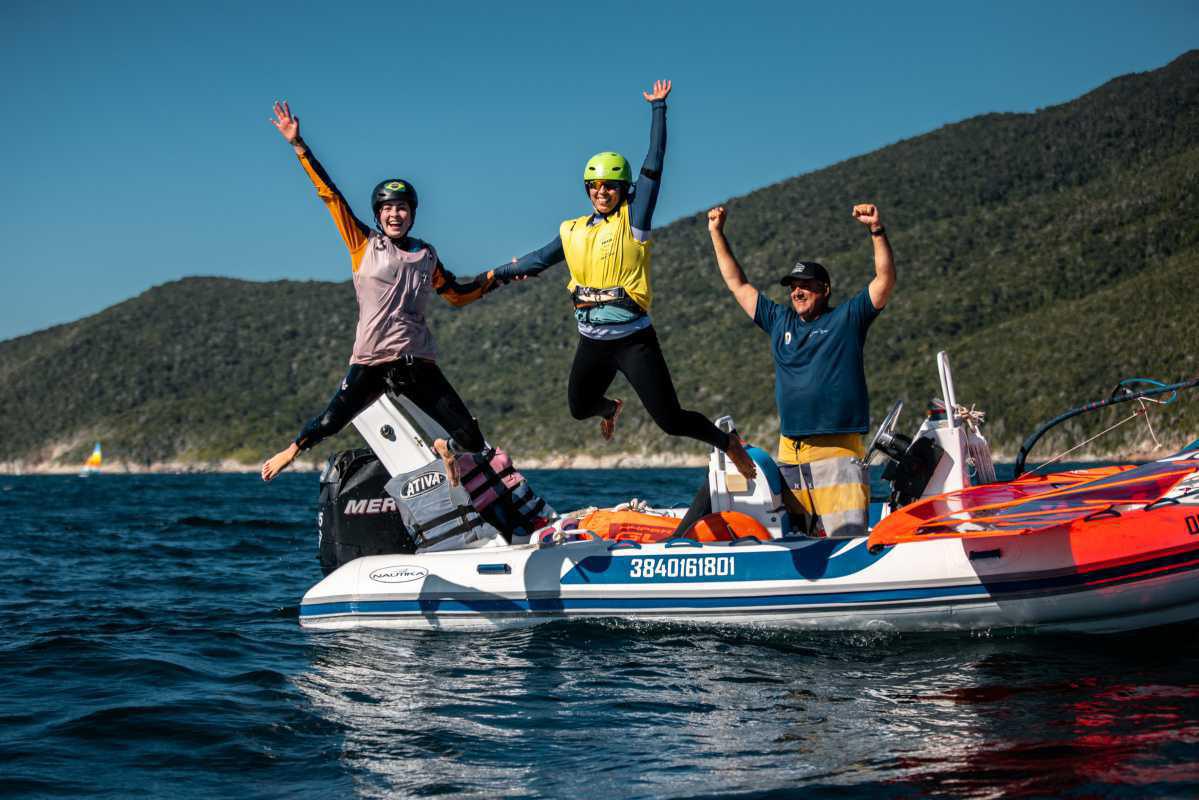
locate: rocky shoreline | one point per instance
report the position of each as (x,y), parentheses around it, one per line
(561,461)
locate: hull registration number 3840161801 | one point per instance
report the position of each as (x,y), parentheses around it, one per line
(681,567)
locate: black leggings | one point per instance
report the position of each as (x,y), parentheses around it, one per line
(639,358)
(418,379)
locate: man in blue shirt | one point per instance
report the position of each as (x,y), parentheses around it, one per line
(819,377)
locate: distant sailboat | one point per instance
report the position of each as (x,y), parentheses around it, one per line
(92,465)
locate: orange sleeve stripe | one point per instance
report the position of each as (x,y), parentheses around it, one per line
(353,232)
(457,294)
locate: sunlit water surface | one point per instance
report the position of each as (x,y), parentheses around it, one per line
(149,646)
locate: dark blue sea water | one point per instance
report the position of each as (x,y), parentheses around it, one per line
(149,648)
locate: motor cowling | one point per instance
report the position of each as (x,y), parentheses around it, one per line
(910,471)
(356,516)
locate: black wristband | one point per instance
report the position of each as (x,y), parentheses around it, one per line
(880,232)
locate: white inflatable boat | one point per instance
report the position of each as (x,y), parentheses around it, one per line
(1100,550)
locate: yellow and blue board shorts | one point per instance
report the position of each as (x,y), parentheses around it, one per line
(827,477)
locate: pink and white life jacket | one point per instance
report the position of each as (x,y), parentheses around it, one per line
(497,487)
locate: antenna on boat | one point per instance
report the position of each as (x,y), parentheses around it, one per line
(952,419)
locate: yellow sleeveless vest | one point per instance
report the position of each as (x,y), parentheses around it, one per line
(606,255)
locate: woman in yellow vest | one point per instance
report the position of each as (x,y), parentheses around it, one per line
(608,254)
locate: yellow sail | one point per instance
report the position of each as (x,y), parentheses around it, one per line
(93,461)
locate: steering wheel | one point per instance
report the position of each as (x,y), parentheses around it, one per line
(884,432)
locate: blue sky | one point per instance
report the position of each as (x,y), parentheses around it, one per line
(137,148)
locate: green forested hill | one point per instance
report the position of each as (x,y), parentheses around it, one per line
(1051,253)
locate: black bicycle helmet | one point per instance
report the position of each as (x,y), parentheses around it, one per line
(390,191)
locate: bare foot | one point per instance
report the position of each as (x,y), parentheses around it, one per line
(442,448)
(740,458)
(279,462)
(608,424)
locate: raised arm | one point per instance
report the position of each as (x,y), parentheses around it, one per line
(645,194)
(730,270)
(353,232)
(884,261)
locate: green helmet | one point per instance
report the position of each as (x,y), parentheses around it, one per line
(608,167)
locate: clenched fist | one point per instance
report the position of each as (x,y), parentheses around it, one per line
(866,213)
(716,217)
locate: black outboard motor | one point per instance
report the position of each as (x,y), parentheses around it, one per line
(357,516)
(911,466)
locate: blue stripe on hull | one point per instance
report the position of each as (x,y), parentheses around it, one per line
(824,559)
(432,605)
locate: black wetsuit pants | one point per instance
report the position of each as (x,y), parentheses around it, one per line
(418,379)
(639,358)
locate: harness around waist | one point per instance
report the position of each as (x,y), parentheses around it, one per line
(588,297)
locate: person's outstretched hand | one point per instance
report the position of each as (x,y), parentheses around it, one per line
(661,90)
(288,126)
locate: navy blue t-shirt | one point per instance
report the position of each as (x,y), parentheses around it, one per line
(819,377)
